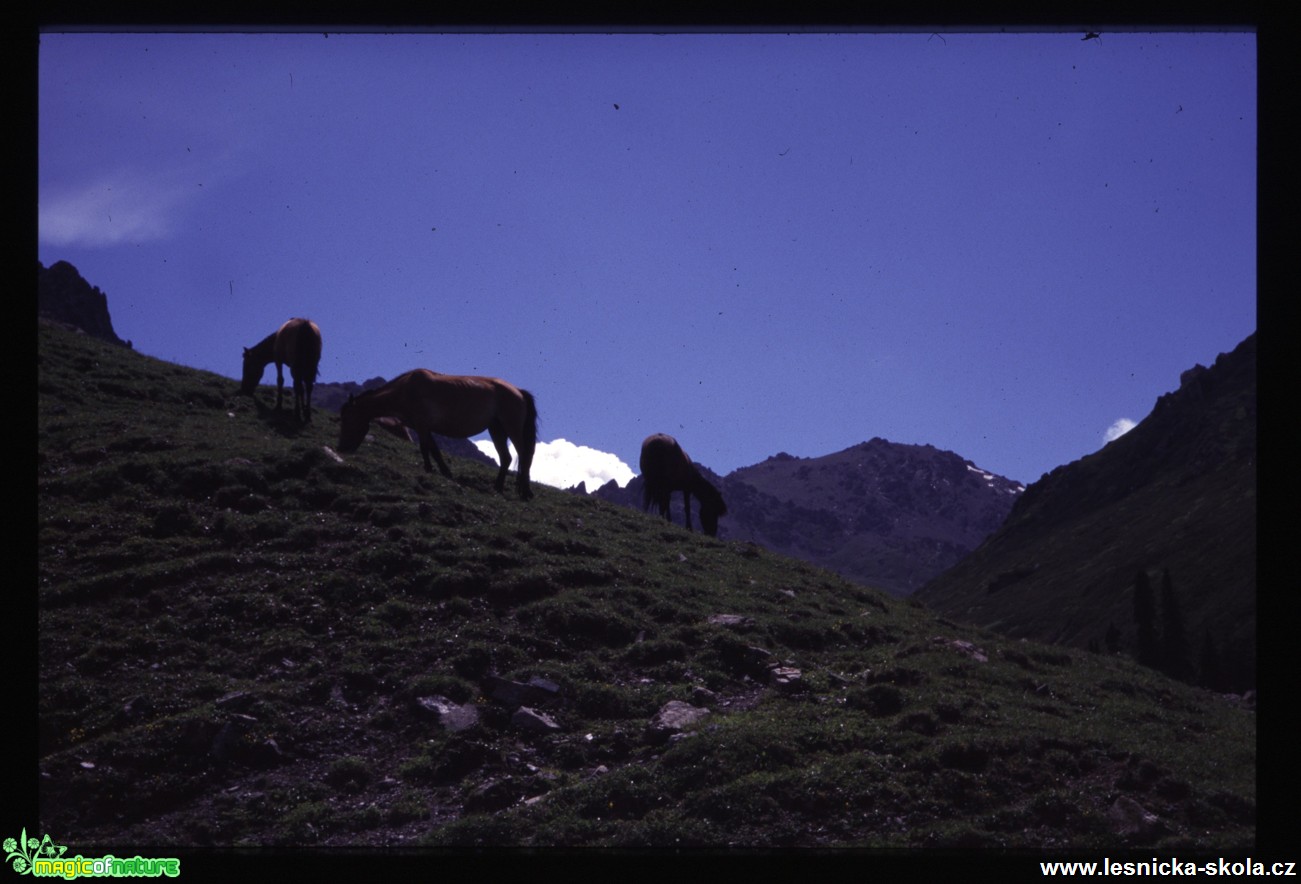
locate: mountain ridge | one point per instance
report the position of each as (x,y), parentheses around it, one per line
(1175,494)
(885,514)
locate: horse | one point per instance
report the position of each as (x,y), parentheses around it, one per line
(426,402)
(297,344)
(665,468)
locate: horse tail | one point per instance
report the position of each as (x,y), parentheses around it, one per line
(309,348)
(530,421)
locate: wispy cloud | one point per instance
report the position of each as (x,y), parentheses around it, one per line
(1118,429)
(125,208)
(562,464)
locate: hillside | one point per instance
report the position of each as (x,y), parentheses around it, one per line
(880,513)
(246,640)
(1176,494)
(883,514)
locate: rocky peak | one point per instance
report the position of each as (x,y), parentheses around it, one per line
(63,296)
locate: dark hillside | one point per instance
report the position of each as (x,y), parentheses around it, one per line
(1176,494)
(245,640)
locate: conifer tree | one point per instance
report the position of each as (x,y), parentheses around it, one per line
(1174,644)
(1147,648)
(1209,674)
(1112,637)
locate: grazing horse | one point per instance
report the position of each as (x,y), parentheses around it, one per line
(426,402)
(665,468)
(297,344)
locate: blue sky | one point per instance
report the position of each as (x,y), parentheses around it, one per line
(1002,245)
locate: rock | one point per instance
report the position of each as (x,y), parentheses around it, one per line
(533,720)
(538,691)
(62,295)
(493,796)
(729,620)
(963,647)
(1132,820)
(673,717)
(451,716)
(785,677)
(703,696)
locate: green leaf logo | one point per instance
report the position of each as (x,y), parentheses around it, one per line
(22,852)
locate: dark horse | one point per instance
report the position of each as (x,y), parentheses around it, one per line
(297,344)
(451,405)
(665,468)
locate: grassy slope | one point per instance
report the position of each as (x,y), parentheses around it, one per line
(235,629)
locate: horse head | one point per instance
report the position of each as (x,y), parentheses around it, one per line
(352,426)
(711,507)
(252,373)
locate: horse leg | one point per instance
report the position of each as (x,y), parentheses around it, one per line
(280,384)
(427,447)
(298,396)
(686,507)
(525,452)
(501,442)
(662,501)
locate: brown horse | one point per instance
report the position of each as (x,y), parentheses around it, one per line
(665,468)
(451,405)
(297,344)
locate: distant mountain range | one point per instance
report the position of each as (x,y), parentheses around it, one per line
(881,513)
(1176,495)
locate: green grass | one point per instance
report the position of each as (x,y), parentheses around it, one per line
(235,628)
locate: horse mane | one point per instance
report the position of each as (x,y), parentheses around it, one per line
(264,349)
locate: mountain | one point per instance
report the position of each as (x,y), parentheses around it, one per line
(63,296)
(1175,495)
(880,513)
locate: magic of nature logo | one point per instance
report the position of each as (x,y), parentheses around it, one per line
(43,858)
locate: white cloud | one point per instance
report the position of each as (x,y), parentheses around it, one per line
(1118,429)
(110,211)
(562,464)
